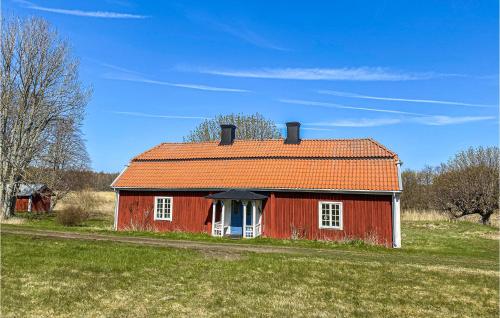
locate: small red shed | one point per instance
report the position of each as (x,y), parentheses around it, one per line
(33,198)
(330,189)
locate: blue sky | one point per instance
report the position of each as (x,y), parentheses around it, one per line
(419,76)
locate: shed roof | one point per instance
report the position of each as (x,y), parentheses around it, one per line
(26,190)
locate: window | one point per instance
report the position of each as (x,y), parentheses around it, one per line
(330,215)
(163,208)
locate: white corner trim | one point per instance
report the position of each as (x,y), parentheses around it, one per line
(341,216)
(117,204)
(396,221)
(30,203)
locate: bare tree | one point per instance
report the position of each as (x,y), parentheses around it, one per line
(40,89)
(62,152)
(468,183)
(417,187)
(249,127)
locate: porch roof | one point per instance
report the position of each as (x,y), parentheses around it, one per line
(237,195)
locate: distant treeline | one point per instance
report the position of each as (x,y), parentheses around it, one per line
(466,184)
(91,180)
(417,189)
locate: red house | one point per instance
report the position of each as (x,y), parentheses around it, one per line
(33,198)
(292,188)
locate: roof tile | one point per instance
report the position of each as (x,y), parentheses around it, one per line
(313,148)
(350,164)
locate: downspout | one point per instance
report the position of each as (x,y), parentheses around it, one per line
(117,199)
(117,204)
(396,210)
(399,163)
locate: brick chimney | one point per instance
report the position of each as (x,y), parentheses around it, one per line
(227,134)
(292,133)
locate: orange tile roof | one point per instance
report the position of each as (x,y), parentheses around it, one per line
(355,164)
(314,148)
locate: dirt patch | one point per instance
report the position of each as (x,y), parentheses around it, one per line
(218,250)
(433,226)
(221,254)
(491,236)
(13,220)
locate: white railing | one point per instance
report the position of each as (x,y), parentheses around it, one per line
(217,229)
(248,231)
(258,230)
(252,231)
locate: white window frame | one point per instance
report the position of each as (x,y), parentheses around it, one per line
(320,216)
(171,199)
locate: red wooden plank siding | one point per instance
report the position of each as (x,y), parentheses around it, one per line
(191,211)
(22,204)
(364,216)
(39,203)
(284,214)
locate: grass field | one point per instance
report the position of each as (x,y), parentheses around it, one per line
(445,269)
(106,199)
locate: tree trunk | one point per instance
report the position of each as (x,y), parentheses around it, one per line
(485,218)
(8,199)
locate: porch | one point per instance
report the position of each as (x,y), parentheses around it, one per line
(237,213)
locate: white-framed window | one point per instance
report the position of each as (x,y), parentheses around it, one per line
(330,215)
(163,208)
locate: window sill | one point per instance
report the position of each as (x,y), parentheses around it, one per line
(331,228)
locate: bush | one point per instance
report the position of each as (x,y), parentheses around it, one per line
(72,216)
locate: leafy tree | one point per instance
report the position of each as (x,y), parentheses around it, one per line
(42,105)
(468,183)
(248,127)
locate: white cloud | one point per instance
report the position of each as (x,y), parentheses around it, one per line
(81,13)
(430,101)
(138,114)
(331,105)
(406,117)
(238,30)
(441,120)
(181,85)
(363,122)
(438,120)
(341,74)
(117,68)
(248,36)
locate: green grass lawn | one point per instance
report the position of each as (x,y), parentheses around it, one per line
(445,269)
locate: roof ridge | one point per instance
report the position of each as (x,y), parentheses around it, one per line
(265,139)
(270,157)
(383,147)
(145,152)
(263,148)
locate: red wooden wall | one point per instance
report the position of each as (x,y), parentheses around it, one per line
(39,203)
(192,212)
(364,216)
(22,204)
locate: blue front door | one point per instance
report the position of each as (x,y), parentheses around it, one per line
(236,218)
